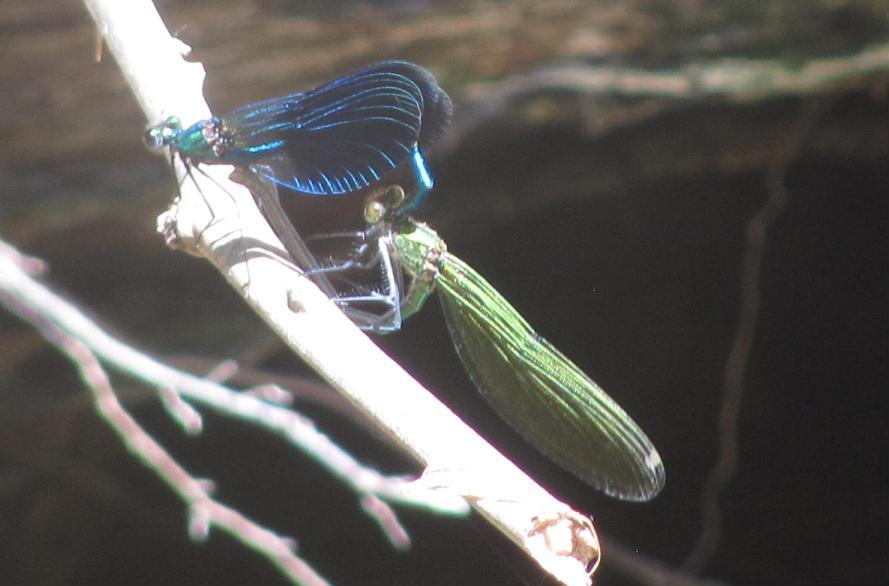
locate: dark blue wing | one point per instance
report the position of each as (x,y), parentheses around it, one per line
(342,136)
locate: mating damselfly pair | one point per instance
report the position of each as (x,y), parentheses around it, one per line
(353,135)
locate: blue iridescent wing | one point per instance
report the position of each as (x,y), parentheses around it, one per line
(343,136)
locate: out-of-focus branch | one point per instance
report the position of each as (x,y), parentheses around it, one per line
(736,363)
(285,388)
(730,80)
(205,512)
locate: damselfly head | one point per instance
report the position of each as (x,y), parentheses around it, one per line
(162,135)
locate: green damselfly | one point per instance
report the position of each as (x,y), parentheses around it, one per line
(535,388)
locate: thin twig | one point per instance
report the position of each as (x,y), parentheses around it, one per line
(388,521)
(736,363)
(205,512)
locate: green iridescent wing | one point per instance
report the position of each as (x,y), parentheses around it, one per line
(541,393)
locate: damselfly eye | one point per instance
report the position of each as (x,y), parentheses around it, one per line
(374,212)
(162,135)
(154,139)
(394,196)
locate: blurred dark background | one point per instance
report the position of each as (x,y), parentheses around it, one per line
(604,164)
